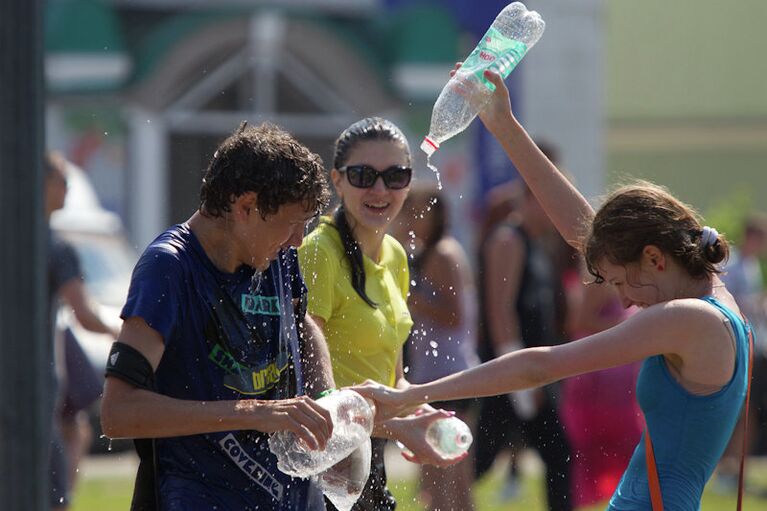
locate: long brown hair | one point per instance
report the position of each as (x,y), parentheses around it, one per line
(642,214)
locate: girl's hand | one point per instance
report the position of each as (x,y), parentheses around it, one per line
(390,402)
(497,113)
(412,434)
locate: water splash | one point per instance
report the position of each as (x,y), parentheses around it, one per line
(434,169)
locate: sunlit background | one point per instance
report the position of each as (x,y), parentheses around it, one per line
(141,91)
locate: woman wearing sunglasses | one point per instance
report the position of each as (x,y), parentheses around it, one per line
(358,283)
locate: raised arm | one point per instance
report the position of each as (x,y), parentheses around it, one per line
(563,203)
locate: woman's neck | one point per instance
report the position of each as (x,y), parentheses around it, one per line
(697,288)
(369,240)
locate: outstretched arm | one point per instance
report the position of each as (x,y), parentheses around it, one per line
(132,412)
(672,329)
(563,203)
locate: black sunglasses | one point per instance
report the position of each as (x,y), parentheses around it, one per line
(395,177)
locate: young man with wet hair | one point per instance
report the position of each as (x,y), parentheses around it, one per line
(216,350)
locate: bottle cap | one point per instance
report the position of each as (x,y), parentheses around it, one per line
(429,146)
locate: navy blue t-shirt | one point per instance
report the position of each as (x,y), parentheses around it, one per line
(227,336)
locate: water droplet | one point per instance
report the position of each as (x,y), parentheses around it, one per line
(436,172)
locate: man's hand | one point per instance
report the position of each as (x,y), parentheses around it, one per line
(301,415)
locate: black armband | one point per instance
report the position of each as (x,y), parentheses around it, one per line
(129,365)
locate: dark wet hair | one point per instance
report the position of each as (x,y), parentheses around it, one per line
(370,129)
(428,193)
(268,161)
(644,214)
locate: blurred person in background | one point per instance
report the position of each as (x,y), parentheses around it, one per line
(499,207)
(358,282)
(76,383)
(216,350)
(443,306)
(599,410)
(743,277)
(498,204)
(521,282)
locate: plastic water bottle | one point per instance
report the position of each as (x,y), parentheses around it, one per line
(512,34)
(343,483)
(352,417)
(450,437)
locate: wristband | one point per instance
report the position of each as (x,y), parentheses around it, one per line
(325,392)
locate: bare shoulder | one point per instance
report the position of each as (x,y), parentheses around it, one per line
(505,240)
(503,234)
(450,249)
(698,328)
(706,342)
(684,316)
(697,310)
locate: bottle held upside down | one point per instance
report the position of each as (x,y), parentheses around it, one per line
(512,34)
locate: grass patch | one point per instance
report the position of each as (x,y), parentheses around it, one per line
(113,493)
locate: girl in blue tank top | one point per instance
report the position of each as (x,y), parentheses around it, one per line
(690,336)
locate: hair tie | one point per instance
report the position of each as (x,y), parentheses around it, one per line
(708,237)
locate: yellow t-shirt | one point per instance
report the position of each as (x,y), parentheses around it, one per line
(364,342)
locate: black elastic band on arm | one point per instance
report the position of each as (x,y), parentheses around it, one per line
(130,365)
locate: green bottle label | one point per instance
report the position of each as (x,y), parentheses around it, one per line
(495,52)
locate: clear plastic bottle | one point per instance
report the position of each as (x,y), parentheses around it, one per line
(450,437)
(512,34)
(343,483)
(352,424)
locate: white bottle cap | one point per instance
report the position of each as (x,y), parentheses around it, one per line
(429,146)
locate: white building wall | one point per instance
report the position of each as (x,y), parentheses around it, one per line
(148,195)
(563,88)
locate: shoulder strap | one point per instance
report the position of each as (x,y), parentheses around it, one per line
(652,470)
(742,474)
(652,473)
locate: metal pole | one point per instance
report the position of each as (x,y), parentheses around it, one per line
(25,346)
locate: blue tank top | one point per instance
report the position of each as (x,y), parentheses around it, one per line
(689,432)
